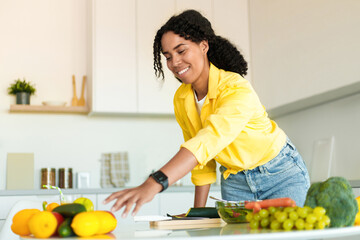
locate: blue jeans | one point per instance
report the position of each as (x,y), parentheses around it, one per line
(283,176)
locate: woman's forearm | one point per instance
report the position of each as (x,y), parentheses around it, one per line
(180,165)
(201,195)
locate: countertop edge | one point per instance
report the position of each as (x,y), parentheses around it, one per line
(172,189)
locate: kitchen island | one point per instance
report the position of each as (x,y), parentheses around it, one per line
(142,231)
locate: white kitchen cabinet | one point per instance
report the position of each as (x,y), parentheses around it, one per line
(114,87)
(205,7)
(154,95)
(231,21)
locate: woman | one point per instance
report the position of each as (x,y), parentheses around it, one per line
(222,120)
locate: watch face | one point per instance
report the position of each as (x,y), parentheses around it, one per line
(160,176)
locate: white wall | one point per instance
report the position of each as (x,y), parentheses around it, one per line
(46,42)
(303,47)
(340,119)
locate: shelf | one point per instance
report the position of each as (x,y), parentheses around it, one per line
(48,109)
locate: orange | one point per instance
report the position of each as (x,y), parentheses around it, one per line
(20,221)
(85,224)
(357,218)
(51,206)
(107,221)
(43,224)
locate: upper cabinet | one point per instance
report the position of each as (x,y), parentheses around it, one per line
(114,85)
(123,31)
(154,95)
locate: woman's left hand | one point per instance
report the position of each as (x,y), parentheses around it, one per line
(134,196)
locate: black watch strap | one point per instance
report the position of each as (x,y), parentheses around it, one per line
(160,178)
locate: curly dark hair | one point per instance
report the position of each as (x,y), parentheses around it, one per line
(192,26)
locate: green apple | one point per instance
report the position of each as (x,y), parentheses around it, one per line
(86,202)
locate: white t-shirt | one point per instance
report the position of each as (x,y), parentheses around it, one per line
(198,103)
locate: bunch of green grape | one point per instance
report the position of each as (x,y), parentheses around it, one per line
(289,218)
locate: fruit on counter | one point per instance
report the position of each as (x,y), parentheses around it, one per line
(70,209)
(107,221)
(65,229)
(49,207)
(86,202)
(357,217)
(85,224)
(336,197)
(20,221)
(289,218)
(43,224)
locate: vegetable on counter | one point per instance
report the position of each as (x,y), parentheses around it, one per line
(336,196)
(275,202)
(65,229)
(209,212)
(70,210)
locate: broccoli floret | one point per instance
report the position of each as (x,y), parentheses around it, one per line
(336,196)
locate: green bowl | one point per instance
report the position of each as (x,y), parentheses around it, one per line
(232,212)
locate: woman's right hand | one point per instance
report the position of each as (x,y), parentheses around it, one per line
(134,196)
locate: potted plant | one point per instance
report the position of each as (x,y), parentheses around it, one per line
(22,90)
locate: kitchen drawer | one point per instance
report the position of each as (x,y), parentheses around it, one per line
(356,192)
(1,224)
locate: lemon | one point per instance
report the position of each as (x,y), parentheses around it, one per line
(86,202)
(43,224)
(85,224)
(107,220)
(357,218)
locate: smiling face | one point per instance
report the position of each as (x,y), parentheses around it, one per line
(186,59)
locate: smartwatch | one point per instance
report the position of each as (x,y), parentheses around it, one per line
(160,178)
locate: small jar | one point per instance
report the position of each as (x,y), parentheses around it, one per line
(65,178)
(48,177)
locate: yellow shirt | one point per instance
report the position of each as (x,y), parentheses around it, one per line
(233,127)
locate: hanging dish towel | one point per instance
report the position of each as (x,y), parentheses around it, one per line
(119,169)
(105,171)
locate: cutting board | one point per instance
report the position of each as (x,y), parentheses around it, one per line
(187,223)
(20,171)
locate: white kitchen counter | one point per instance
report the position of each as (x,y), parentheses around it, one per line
(142,231)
